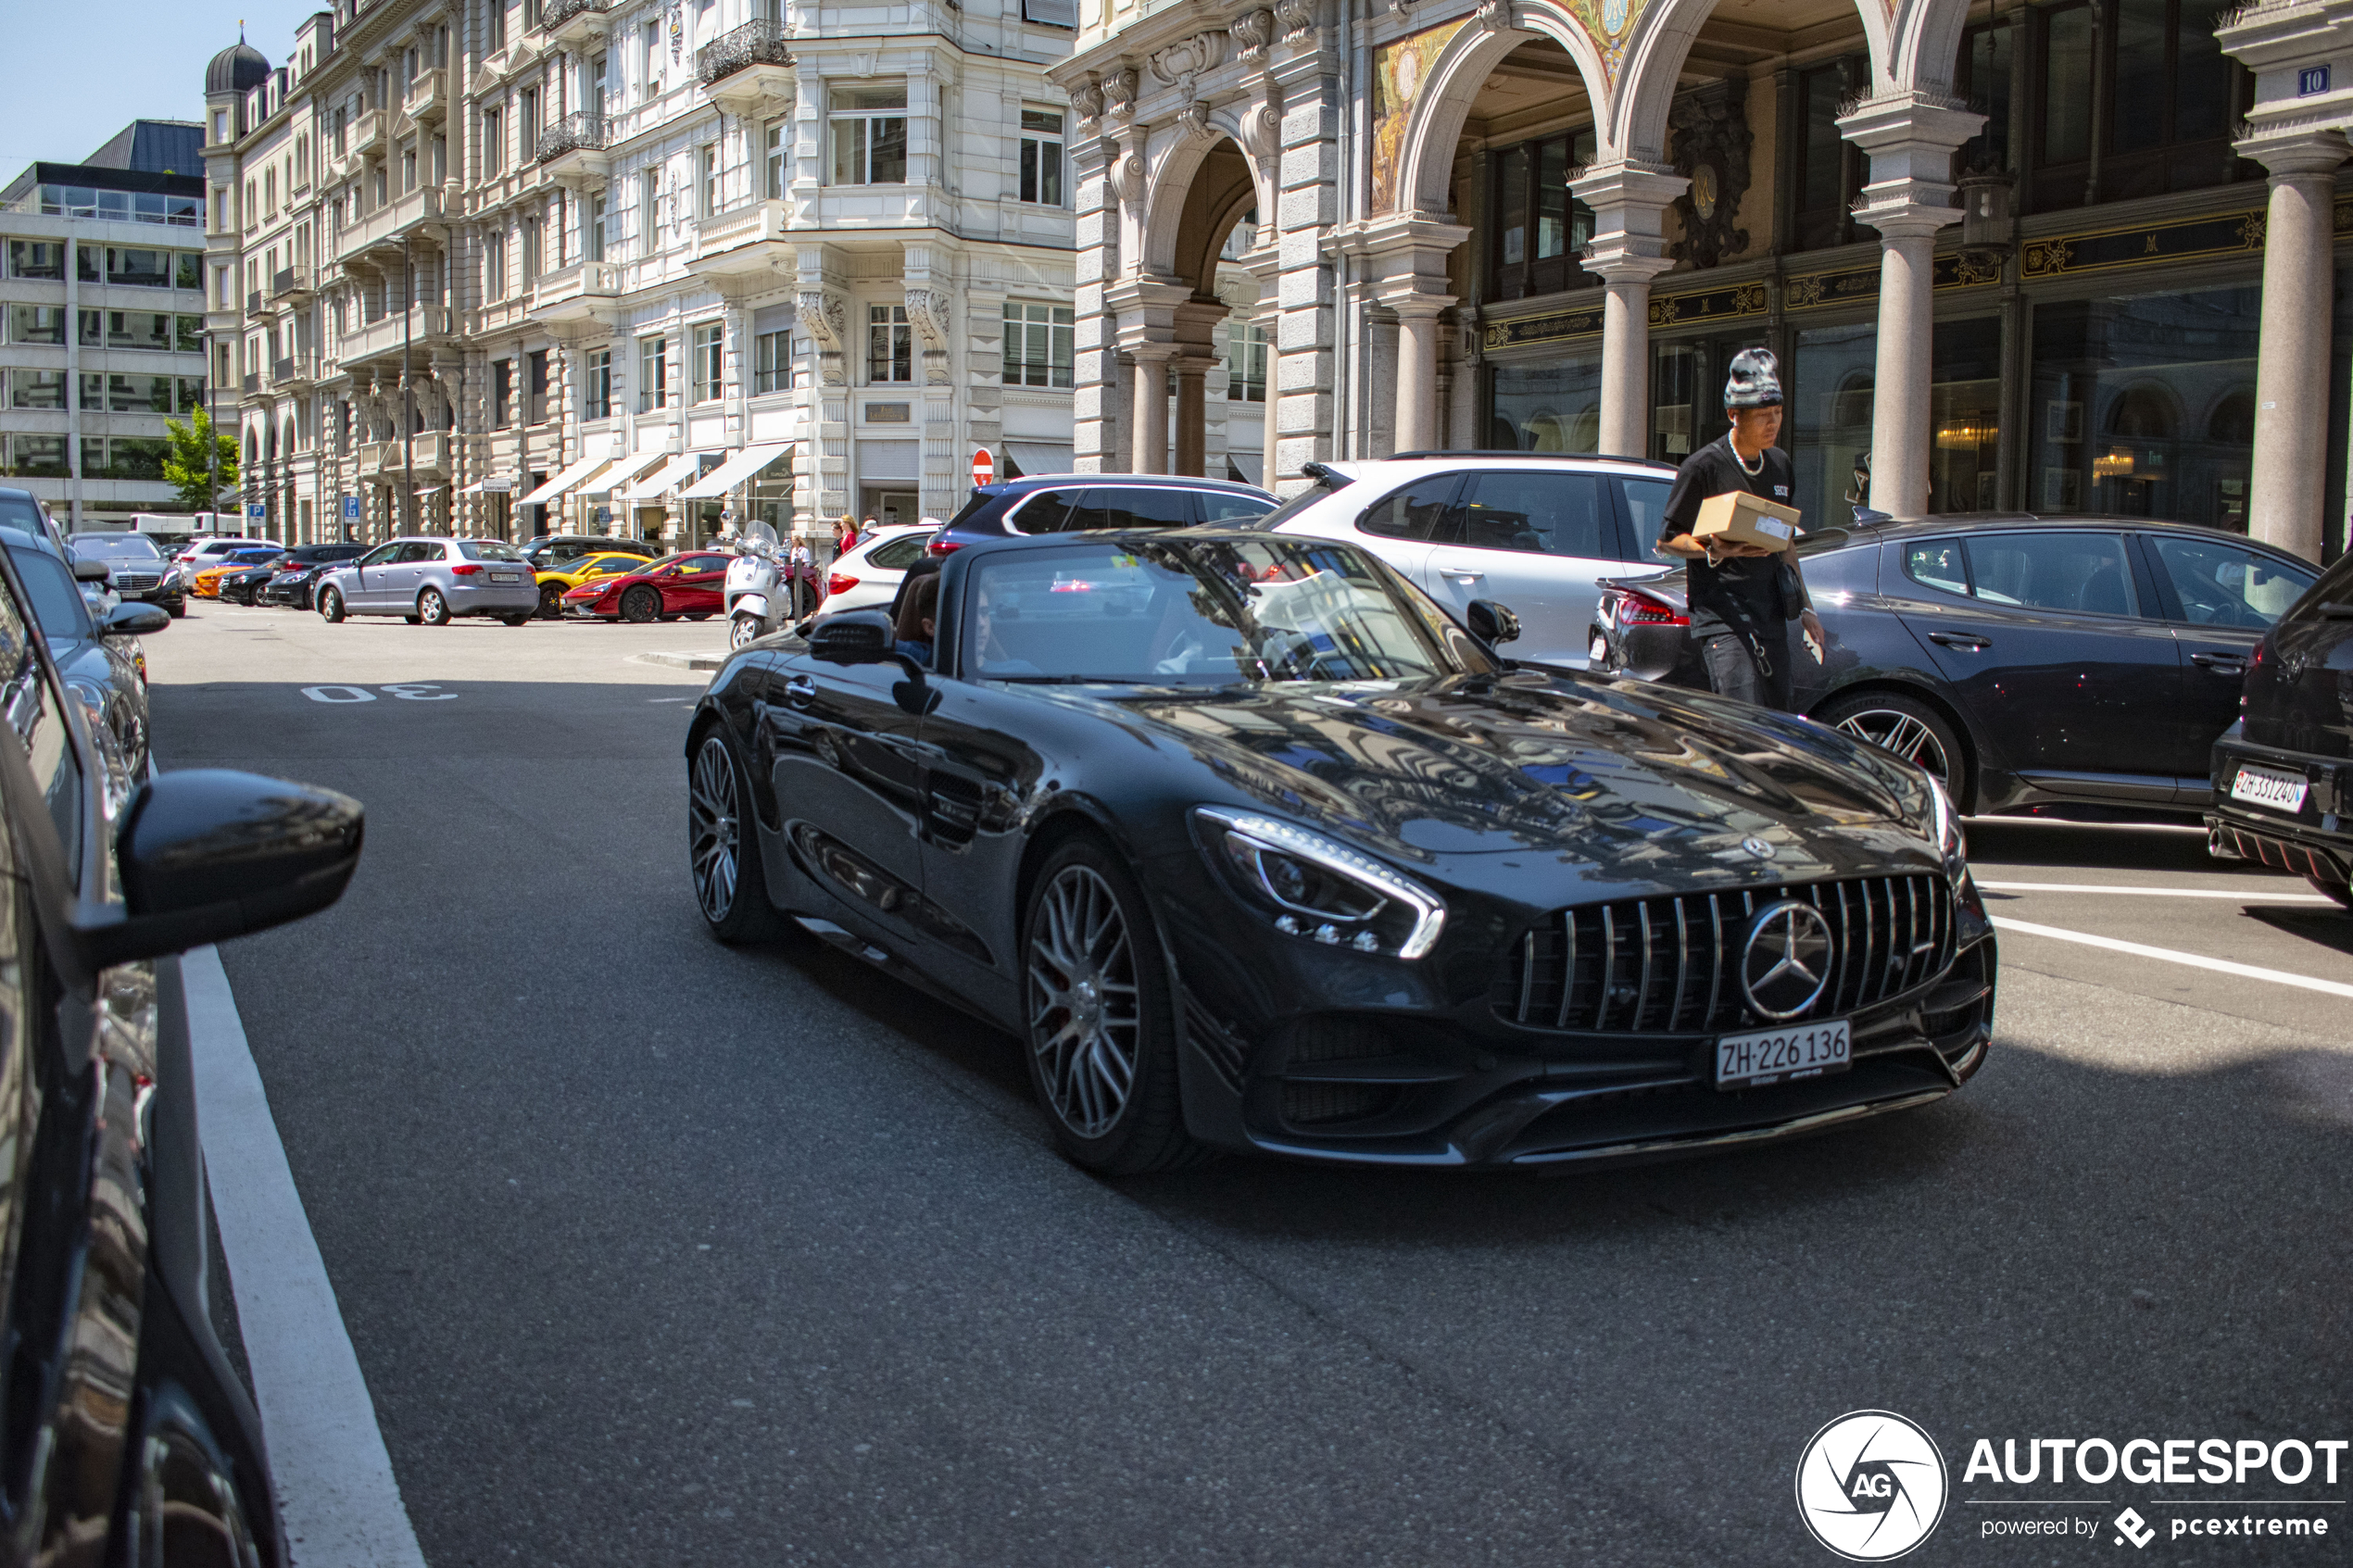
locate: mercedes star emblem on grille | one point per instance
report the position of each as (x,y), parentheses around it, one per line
(1759,847)
(1786,962)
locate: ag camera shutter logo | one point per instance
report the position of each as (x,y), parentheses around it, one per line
(1870,1485)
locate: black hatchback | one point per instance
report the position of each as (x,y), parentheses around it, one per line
(2283,775)
(1068,503)
(2066,666)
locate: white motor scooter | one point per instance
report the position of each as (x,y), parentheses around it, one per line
(757,597)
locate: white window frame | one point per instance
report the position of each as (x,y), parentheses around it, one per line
(853,132)
(1039,146)
(890,346)
(1035,329)
(708,357)
(653,372)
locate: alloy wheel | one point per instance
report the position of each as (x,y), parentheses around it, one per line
(640,606)
(713,829)
(431,607)
(742,630)
(1902,734)
(1085,1015)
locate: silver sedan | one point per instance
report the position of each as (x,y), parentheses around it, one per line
(433,579)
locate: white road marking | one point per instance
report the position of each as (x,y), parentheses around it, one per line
(2242,894)
(351,693)
(336,1494)
(2168,954)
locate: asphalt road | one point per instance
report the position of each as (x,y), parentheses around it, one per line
(655,1251)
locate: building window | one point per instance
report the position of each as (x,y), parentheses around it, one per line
(498,9)
(2172,93)
(870,136)
(890,351)
(593,97)
(494,265)
(1037,346)
(1041,157)
(36,389)
(536,364)
(648,212)
(530,250)
(771,362)
(494,150)
(597,393)
(408,167)
(1983,83)
(649,78)
(1830,169)
(37,323)
(1246,362)
(527,123)
(708,357)
(37,259)
(706,179)
(502,393)
(778,144)
(653,373)
(220,125)
(1538,226)
(593,228)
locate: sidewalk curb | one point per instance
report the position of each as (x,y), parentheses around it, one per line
(680,660)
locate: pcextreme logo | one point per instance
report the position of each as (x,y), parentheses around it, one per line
(1870,1485)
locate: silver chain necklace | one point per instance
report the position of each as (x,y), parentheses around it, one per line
(1752,472)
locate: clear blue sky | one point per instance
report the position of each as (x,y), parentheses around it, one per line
(82,73)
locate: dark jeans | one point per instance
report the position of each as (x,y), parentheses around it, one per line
(1750,666)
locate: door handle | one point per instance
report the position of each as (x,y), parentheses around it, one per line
(800,688)
(2221,663)
(1465,573)
(1967,642)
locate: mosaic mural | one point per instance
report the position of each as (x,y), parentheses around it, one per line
(1399,71)
(1610,24)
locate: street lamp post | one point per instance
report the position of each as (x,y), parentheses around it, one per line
(408,395)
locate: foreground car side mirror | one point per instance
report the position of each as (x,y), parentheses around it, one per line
(1490,622)
(135,618)
(91,572)
(207,854)
(854,636)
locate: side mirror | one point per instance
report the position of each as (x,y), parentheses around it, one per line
(854,636)
(91,572)
(1492,623)
(135,618)
(207,853)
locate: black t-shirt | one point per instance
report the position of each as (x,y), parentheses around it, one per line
(1740,592)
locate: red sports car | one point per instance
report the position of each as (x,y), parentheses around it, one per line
(692,583)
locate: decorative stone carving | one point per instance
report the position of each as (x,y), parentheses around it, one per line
(1182,63)
(1495,16)
(1119,95)
(1193,120)
(928,313)
(1261,128)
(1710,139)
(1298,17)
(824,318)
(1252,32)
(1087,101)
(1126,173)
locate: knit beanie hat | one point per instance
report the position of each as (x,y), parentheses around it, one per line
(1755,382)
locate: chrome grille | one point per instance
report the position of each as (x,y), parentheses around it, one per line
(1668,965)
(136,580)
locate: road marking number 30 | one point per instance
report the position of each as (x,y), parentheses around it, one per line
(409,691)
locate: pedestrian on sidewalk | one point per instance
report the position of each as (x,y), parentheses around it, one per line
(1742,596)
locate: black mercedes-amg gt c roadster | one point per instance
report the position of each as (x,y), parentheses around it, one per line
(1256,848)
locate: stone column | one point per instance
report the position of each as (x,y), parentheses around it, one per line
(1910,137)
(1192,415)
(1629,201)
(1418,370)
(1264,262)
(1408,256)
(2288,494)
(1149,403)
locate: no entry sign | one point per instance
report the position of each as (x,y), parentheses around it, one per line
(984,467)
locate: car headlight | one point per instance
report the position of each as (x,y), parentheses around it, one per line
(1945,822)
(1311,887)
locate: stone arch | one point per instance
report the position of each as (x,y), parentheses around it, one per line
(1434,121)
(1925,41)
(1170,193)
(1635,124)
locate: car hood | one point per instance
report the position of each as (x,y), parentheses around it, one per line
(1621,772)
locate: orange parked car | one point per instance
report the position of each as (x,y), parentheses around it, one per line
(207,581)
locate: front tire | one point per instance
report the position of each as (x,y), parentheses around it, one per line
(330,605)
(722,854)
(1102,1027)
(551,599)
(1909,729)
(742,631)
(640,606)
(431,609)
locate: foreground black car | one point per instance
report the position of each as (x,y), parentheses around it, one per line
(1256,849)
(295,579)
(2079,666)
(126,1438)
(2283,775)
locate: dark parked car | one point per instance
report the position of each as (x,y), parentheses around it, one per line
(249,573)
(1066,503)
(129,1436)
(2068,666)
(2283,775)
(1256,848)
(136,568)
(98,658)
(295,579)
(549,551)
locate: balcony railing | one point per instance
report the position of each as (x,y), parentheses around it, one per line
(428,95)
(253,381)
(290,281)
(293,370)
(759,42)
(557,12)
(582,129)
(368,132)
(390,334)
(385,227)
(253,302)
(574,292)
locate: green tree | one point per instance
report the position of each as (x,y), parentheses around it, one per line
(184,462)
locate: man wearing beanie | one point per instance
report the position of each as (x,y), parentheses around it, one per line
(1742,596)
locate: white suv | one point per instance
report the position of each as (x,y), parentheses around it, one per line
(1530,530)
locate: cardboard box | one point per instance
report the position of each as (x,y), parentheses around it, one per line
(1748,520)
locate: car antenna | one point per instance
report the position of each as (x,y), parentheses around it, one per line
(1326,475)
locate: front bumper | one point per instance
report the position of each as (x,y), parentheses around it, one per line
(2316,841)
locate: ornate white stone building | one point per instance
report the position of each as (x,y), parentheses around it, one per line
(2022,255)
(585,264)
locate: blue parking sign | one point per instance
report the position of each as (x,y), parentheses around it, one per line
(256,509)
(351,508)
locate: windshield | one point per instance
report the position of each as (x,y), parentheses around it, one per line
(115,547)
(1213,611)
(55,599)
(487,549)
